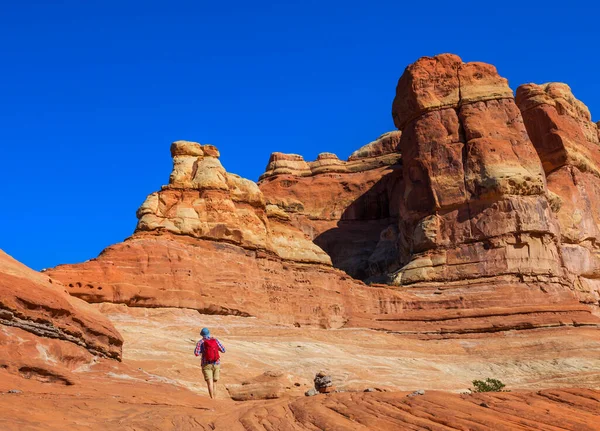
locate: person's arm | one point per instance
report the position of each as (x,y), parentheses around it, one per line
(221,348)
(198,349)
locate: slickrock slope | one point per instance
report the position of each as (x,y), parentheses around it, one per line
(567,142)
(348,208)
(158,386)
(545,410)
(272,359)
(552,410)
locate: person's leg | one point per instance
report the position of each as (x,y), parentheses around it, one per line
(211,388)
(216,375)
(207,371)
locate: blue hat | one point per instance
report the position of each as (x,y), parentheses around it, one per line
(205,332)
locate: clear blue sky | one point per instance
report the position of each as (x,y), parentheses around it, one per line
(94,92)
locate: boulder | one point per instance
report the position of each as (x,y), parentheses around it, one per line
(267,386)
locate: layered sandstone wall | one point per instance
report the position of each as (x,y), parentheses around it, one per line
(45,333)
(210,241)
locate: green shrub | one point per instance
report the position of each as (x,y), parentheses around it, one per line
(489,385)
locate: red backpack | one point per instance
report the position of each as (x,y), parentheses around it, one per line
(210,350)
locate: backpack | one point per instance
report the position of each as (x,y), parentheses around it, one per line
(210,350)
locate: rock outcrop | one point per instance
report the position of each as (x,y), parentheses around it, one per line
(567,142)
(348,208)
(35,303)
(267,386)
(474,194)
(383,151)
(477,220)
(46,334)
(204,201)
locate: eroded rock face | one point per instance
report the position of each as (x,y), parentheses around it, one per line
(44,332)
(474,200)
(567,142)
(386,144)
(348,208)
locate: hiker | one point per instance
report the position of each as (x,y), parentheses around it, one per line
(209,348)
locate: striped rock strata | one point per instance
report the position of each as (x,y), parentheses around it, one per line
(45,333)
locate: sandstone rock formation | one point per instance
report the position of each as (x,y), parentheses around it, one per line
(474,193)
(210,241)
(203,201)
(476,211)
(567,142)
(349,209)
(454,210)
(480,215)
